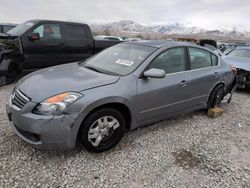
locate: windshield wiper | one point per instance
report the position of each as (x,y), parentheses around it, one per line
(93,68)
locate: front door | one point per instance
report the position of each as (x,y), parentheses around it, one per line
(48,50)
(159,98)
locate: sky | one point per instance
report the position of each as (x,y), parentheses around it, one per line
(208,14)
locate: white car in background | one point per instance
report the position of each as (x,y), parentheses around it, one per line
(107,37)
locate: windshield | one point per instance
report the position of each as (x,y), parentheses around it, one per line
(240,53)
(120,59)
(20,29)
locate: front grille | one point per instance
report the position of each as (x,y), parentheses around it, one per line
(19,99)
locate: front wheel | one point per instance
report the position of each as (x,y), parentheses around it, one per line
(12,74)
(102,130)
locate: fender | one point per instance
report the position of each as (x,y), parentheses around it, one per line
(83,114)
(4,65)
(109,100)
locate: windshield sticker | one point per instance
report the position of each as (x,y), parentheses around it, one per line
(125,62)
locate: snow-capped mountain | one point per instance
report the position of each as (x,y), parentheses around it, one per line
(127,26)
(122,26)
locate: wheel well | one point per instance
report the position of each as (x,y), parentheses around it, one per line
(118,106)
(213,91)
(223,84)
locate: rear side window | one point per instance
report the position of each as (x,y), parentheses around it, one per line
(77,32)
(199,58)
(172,61)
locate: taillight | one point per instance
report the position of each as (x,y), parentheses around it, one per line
(234,69)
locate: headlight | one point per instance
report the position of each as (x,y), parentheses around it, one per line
(57,104)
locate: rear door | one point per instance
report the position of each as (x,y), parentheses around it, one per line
(204,74)
(48,50)
(80,44)
(158,98)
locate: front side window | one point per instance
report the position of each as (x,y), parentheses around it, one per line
(199,58)
(49,31)
(172,61)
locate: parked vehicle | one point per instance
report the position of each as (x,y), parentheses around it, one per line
(240,58)
(227,48)
(4,28)
(106,37)
(122,88)
(38,44)
(207,43)
(133,39)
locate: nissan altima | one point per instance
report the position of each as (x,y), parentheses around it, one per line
(94,102)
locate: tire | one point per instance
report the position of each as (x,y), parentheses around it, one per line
(216,96)
(12,74)
(90,132)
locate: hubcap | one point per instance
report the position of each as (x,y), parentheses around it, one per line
(102,129)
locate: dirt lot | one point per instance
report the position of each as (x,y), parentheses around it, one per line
(190,150)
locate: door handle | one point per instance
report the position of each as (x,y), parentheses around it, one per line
(183,83)
(54,45)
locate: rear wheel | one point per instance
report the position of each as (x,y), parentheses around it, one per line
(216,96)
(102,130)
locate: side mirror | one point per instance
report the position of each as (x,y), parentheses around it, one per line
(33,36)
(154,73)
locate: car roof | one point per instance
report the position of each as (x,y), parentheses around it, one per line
(40,20)
(8,24)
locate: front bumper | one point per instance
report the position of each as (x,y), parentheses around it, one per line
(45,132)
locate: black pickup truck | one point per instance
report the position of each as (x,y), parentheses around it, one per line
(37,44)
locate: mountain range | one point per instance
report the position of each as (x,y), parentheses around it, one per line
(130,27)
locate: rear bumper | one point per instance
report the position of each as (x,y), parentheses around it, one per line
(230,90)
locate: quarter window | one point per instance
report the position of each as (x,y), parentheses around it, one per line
(49,31)
(214,60)
(200,58)
(171,61)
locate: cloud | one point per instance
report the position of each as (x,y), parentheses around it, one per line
(209,14)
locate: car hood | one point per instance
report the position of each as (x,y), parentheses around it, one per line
(239,62)
(8,44)
(51,81)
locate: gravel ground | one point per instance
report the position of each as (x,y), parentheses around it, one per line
(190,150)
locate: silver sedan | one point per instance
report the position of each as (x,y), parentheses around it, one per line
(122,88)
